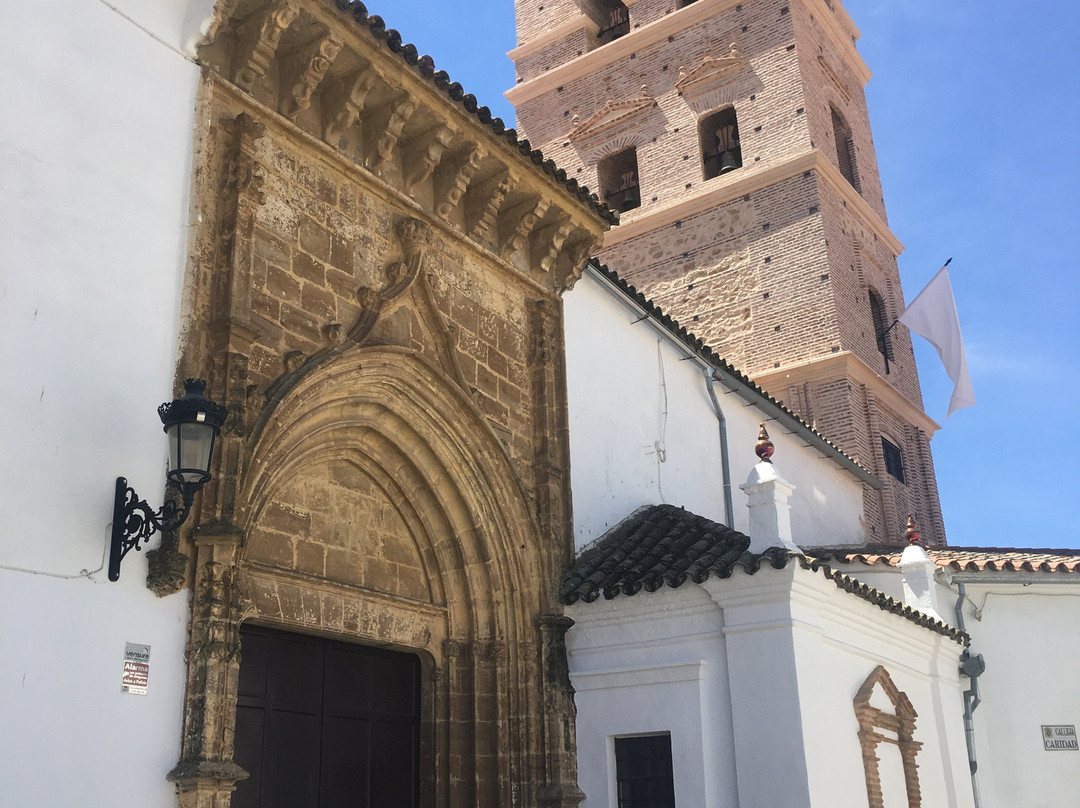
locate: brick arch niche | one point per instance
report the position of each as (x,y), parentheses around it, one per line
(893,724)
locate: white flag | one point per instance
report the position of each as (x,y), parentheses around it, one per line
(932,315)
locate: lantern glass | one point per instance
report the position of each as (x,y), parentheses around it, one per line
(191,445)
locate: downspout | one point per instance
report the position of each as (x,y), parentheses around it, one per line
(729,510)
(972,667)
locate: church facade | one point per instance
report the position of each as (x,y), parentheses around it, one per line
(451,435)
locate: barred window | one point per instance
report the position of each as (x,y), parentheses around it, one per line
(894,459)
(643,772)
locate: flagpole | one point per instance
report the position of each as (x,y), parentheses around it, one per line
(894,322)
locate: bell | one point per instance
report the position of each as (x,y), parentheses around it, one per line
(728,162)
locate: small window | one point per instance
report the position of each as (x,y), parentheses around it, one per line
(845,150)
(615,20)
(721,151)
(618,178)
(894,460)
(881,326)
(643,772)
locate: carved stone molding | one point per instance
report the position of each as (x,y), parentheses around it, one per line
(424,154)
(713,73)
(339,75)
(454,178)
(612,119)
(302,72)
(344,104)
(259,36)
(414,236)
(206,773)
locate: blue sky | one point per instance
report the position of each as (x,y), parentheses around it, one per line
(974,114)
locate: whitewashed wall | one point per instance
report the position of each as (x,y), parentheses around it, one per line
(754,677)
(1024,625)
(1030,638)
(643,432)
(95,155)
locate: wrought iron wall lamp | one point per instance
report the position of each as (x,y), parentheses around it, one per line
(192,423)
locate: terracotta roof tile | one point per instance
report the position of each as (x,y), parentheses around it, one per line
(962,559)
(425,66)
(664,545)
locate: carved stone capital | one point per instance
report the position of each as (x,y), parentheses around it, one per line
(482,205)
(516,224)
(425,154)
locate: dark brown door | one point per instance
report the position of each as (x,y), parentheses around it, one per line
(326,724)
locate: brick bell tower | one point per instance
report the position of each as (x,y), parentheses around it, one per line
(734,139)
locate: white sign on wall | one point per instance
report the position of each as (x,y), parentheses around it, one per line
(1059,736)
(136,668)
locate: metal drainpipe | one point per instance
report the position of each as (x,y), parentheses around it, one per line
(972,666)
(729,510)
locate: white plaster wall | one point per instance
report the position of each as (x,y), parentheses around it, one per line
(1031,643)
(755,677)
(1025,626)
(632,391)
(653,663)
(839,641)
(95,155)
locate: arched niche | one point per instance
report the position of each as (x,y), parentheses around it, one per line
(886,716)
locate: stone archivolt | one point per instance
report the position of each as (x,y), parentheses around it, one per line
(374,295)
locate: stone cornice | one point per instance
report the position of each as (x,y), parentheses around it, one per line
(620,48)
(736,183)
(343,78)
(845,364)
(855,203)
(552,35)
(659,30)
(843,41)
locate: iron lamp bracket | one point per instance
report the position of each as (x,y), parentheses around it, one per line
(134,521)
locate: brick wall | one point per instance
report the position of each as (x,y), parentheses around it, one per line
(775,276)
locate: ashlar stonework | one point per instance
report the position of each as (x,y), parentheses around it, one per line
(374,293)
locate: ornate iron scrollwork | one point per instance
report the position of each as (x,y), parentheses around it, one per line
(134,521)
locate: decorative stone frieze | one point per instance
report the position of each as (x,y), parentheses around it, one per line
(335,74)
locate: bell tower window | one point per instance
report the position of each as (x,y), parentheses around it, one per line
(721,151)
(618,179)
(881,327)
(614,20)
(845,150)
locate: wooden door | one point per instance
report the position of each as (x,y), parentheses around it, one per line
(326,724)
